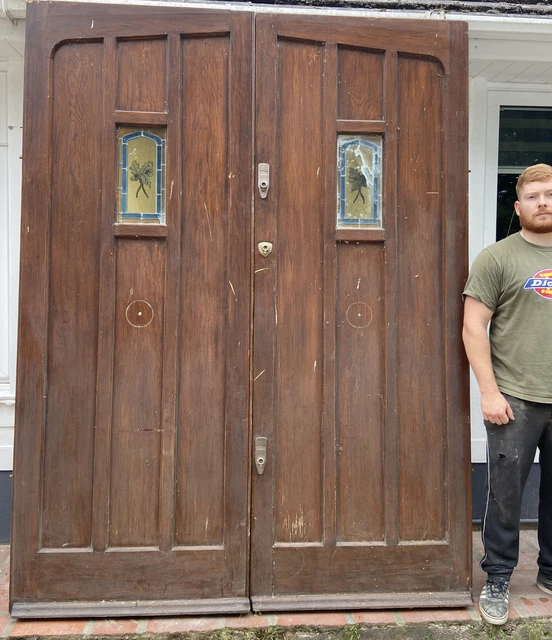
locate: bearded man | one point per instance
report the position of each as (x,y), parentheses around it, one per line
(510,286)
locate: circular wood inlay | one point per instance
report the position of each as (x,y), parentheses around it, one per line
(139,314)
(359,315)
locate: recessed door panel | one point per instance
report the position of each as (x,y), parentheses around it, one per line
(67,490)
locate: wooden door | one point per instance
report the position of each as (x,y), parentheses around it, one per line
(131,484)
(143,344)
(359,380)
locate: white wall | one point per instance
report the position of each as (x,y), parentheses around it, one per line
(11,121)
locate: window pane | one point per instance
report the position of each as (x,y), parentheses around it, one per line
(359,181)
(507,221)
(525,137)
(141,185)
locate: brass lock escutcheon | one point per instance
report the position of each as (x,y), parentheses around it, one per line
(265,248)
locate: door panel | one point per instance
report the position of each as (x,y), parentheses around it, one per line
(298,358)
(138,499)
(359,394)
(67,493)
(352,393)
(206,292)
(134,59)
(136,423)
(354,66)
(420,361)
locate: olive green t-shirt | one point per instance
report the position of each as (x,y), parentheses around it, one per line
(513,278)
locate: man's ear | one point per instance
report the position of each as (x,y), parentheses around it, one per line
(516,207)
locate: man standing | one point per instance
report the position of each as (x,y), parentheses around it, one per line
(510,286)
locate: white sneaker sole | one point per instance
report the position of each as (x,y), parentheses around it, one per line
(543,588)
(496,621)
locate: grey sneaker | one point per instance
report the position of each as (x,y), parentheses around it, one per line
(544,584)
(493,602)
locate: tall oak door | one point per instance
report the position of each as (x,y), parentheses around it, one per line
(359,381)
(158,306)
(131,471)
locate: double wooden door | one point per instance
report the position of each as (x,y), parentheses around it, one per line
(204,425)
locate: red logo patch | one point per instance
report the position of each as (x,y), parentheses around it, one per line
(541,283)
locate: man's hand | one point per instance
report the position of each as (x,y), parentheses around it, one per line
(495,408)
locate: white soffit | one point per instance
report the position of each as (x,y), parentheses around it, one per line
(12,10)
(511,51)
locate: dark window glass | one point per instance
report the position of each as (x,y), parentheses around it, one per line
(525,138)
(507,221)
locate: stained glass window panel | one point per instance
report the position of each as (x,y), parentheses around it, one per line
(141,184)
(359,181)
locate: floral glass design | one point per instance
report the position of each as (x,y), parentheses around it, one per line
(359,181)
(141,187)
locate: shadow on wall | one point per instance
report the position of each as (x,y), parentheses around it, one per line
(5,505)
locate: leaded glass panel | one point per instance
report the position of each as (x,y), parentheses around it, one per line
(359,181)
(141,184)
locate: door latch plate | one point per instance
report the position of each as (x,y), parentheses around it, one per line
(260,454)
(263,178)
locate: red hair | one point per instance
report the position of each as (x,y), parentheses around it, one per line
(535,173)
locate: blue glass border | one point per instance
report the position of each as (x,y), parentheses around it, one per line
(124,214)
(375,219)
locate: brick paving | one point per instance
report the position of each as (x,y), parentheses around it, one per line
(526,601)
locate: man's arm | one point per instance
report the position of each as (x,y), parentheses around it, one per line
(494,405)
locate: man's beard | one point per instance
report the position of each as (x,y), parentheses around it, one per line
(536,224)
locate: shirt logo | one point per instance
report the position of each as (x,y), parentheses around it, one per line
(541,283)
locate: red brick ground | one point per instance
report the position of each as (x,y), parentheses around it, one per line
(525,601)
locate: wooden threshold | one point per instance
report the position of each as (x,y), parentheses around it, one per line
(126,609)
(337,602)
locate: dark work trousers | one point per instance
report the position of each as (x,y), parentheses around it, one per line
(511,450)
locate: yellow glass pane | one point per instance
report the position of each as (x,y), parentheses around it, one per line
(141,187)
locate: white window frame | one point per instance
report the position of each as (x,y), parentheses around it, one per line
(11,121)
